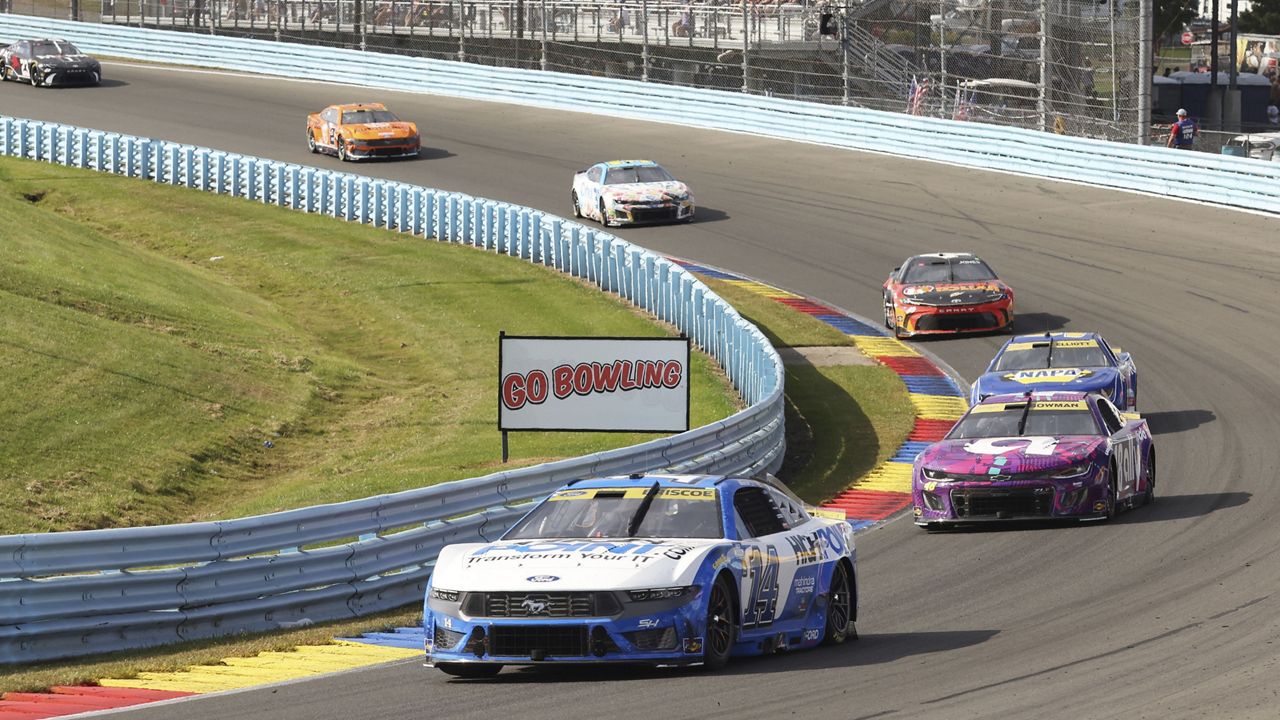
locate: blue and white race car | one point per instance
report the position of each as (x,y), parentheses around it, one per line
(660,569)
(621,192)
(1061,361)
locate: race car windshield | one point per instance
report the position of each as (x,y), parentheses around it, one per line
(53,47)
(646,174)
(1038,357)
(360,117)
(609,513)
(939,270)
(1004,423)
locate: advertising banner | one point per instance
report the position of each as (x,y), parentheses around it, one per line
(593,384)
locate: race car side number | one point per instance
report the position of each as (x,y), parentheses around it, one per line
(763,595)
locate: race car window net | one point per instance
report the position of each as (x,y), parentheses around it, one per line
(360,117)
(1042,355)
(758,512)
(615,513)
(628,175)
(1004,423)
(939,270)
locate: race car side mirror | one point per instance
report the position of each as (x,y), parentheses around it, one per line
(894,270)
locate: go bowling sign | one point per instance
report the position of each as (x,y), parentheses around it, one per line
(593,384)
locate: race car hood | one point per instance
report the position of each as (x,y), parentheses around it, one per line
(1088,379)
(571,564)
(66,61)
(960,293)
(378,131)
(1009,456)
(646,192)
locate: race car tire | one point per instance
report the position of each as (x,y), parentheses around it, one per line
(311,142)
(1111,492)
(888,314)
(577,211)
(1150,496)
(469,670)
(4,73)
(721,630)
(604,217)
(839,625)
(342,151)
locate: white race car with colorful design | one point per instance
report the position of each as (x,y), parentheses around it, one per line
(658,570)
(629,192)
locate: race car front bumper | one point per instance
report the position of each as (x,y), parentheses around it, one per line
(640,213)
(950,319)
(952,503)
(667,638)
(383,148)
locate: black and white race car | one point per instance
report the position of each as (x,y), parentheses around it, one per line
(45,63)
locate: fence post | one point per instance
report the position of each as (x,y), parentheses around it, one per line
(746,46)
(462,34)
(644,46)
(543,61)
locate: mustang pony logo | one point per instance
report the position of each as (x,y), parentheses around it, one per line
(534,607)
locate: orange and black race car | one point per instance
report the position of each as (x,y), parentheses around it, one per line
(363,130)
(946,293)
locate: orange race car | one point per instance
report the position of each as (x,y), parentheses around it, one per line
(946,293)
(362,130)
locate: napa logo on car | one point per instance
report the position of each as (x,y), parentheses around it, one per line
(1030,377)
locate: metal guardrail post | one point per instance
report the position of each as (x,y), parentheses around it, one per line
(364,45)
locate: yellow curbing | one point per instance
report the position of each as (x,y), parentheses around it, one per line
(889,477)
(938,407)
(760,288)
(267,667)
(883,346)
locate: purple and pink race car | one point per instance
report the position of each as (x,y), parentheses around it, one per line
(1035,456)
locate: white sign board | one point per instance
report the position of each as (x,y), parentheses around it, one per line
(593,384)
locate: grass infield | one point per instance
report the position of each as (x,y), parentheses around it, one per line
(174,356)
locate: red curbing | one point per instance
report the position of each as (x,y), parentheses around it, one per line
(869,504)
(70,700)
(910,366)
(930,430)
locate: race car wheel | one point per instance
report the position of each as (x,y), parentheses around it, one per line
(4,73)
(311,141)
(1150,495)
(604,217)
(840,625)
(577,211)
(721,629)
(342,151)
(888,313)
(37,78)
(469,670)
(1111,493)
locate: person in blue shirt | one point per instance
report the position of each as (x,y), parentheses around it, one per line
(1182,135)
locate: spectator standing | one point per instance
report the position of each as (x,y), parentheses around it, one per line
(1183,134)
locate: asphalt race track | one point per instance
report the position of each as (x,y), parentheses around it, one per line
(1172,611)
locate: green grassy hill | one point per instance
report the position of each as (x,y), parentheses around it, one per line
(154,341)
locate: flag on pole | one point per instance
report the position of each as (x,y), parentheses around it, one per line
(963,104)
(915,95)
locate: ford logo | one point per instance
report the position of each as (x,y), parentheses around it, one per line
(542,578)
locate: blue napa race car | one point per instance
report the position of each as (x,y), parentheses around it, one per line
(1062,361)
(661,570)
